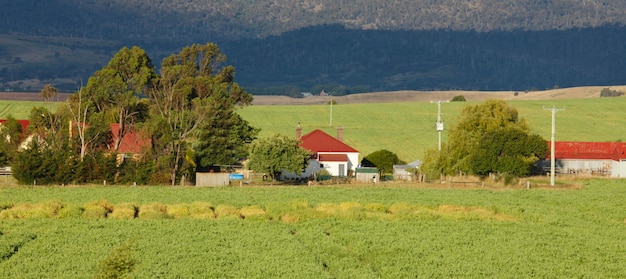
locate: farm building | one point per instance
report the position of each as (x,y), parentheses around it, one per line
(401,172)
(619,162)
(24,138)
(329,153)
(133,144)
(367,175)
(588,158)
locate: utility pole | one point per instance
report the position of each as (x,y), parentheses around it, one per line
(439,122)
(553,110)
(331,112)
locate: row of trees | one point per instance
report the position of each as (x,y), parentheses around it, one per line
(188,111)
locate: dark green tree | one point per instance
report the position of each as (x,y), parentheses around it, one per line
(507,151)
(277,154)
(383,160)
(458,98)
(223,138)
(193,87)
(11,135)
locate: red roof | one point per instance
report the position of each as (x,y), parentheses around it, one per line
(333,158)
(587,150)
(23,123)
(132,142)
(317,141)
(619,153)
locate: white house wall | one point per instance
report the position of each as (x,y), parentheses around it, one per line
(579,166)
(619,169)
(353,159)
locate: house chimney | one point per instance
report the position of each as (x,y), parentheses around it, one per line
(340,133)
(298,131)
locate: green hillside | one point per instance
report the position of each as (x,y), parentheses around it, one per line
(408,129)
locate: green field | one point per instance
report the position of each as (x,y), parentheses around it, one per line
(408,129)
(396,231)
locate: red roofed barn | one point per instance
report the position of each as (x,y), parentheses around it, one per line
(588,158)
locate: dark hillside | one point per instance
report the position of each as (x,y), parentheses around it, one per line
(344,46)
(432,60)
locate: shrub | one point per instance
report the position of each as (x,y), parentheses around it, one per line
(44,209)
(178,211)
(70,211)
(253,212)
(97,209)
(153,211)
(118,263)
(607,92)
(458,98)
(222,211)
(6,205)
(201,210)
(125,211)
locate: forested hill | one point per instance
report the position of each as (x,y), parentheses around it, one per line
(343,46)
(201,19)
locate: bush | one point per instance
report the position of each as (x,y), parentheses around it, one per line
(118,263)
(201,210)
(383,160)
(153,211)
(178,211)
(222,211)
(253,212)
(125,211)
(607,92)
(458,98)
(70,211)
(97,209)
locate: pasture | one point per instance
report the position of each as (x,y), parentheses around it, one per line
(353,231)
(408,129)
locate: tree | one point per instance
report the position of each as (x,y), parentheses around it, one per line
(223,137)
(382,159)
(507,151)
(277,154)
(115,90)
(487,137)
(458,98)
(192,87)
(11,135)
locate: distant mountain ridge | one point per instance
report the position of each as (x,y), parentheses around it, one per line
(344,46)
(194,20)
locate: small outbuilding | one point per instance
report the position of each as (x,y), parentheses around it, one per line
(367,175)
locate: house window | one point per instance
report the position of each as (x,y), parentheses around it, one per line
(321,165)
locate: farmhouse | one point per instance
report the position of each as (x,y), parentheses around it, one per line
(133,144)
(588,158)
(329,153)
(24,137)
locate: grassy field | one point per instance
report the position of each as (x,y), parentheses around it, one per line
(408,129)
(398,231)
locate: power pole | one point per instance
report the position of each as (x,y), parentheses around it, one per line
(553,110)
(331,110)
(439,121)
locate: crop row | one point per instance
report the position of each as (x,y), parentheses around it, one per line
(290,212)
